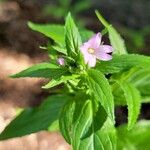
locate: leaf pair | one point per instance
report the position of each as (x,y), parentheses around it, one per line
(81,123)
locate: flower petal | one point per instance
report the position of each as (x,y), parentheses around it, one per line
(84,47)
(103,56)
(92,61)
(105,48)
(86,58)
(61,61)
(95,41)
(85,53)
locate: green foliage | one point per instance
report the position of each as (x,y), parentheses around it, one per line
(45,70)
(85,114)
(81,126)
(36,119)
(101,91)
(123,63)
(135,139)
(132,97)
(141,80)
(72,37)
(53,31)
(56,32)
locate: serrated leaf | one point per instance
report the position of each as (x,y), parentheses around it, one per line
(97,139)
(133,100)
(141,80)
(45,70)
(103,139)
(69,115)
(135,139)
(118,94)
(101,90)
(35,119)
(72,37)
(115,39)
(66,121)
(122,63)
(81,126)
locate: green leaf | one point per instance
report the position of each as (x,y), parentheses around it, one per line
(101,19)
(135,139)
(59,49)
(145,99)
(54,126)
(53,31)
(115,39)
(66,121)
(122,63)
(103,139)
(72,37)
(57,33)
(118,94)
(97,139)
(45,70)
(57,81)
(141,80)
(101,90)
(36,119)
(49,31)
(70,114)
(133,100)
(81,124)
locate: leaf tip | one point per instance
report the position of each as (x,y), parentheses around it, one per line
(30,24)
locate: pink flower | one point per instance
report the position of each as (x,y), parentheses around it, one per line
(94,49)
(61,61)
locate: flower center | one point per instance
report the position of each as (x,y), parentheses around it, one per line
(90,50)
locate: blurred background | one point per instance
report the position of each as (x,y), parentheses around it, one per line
(19,49)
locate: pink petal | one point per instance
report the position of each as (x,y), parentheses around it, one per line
(61,61)
(92,61)
(86,58)
(85,53)
(84,47)
(95,41)
(103,56)
(105,48)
